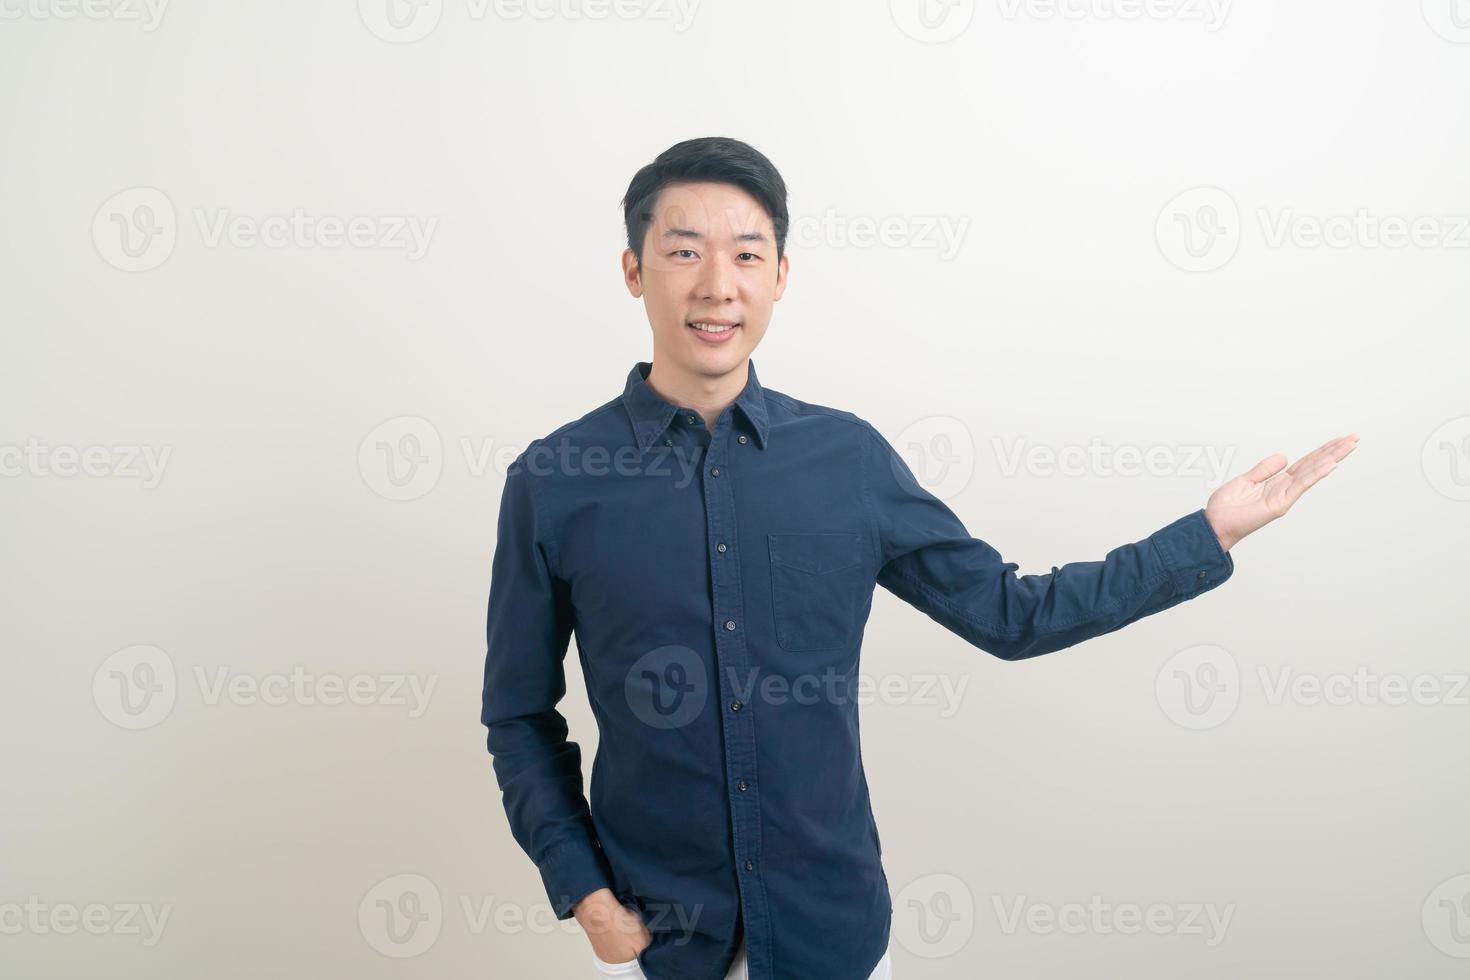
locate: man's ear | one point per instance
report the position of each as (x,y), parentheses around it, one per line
(632,274)
(783,269)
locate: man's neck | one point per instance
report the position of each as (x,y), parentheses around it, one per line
(708,395)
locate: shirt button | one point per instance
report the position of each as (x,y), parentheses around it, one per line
(742,440)
(715,471)
(749,865)
(1201,575)
(741,786)
(729,624)
(689,419)
(668,442)
(736,705)
(720,547)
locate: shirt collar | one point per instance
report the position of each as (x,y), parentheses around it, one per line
(651,414)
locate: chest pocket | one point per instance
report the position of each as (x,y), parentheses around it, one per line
(816,584)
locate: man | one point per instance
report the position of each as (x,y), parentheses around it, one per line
(714,545)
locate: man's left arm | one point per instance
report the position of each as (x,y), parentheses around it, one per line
(931,561)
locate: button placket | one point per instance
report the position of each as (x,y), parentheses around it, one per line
(732,658)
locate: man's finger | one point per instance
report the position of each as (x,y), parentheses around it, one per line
(1334,448)
(1300,484)
(1311,459)
(1270,465)
(1348,444)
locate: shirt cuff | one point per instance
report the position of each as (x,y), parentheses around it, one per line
(1191,552)
(572,871)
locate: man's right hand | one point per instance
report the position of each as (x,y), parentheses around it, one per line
(617,933)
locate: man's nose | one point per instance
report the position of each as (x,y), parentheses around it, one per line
(717,279)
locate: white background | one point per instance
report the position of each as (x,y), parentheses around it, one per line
(1069,316)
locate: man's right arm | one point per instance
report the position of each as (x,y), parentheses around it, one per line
(529,625)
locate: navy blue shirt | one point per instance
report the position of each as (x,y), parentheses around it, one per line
(718,585)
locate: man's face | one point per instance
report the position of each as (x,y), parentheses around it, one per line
(709,257)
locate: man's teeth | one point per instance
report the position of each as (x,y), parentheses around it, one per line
(711,328)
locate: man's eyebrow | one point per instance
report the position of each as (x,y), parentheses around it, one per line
(745,236)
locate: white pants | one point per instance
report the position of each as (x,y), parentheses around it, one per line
(631,971)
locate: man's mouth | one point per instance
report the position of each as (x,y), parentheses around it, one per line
(714,328)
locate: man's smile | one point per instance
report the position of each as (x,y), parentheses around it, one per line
(713,331)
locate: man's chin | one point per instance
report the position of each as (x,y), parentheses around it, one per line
(699,358)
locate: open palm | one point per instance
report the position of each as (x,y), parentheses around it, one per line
(1255,499)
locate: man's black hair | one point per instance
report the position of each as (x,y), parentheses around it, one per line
(717,159)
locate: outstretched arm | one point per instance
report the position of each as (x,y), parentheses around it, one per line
(929,559)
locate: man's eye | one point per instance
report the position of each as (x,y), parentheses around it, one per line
(685,253)
(749,255)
